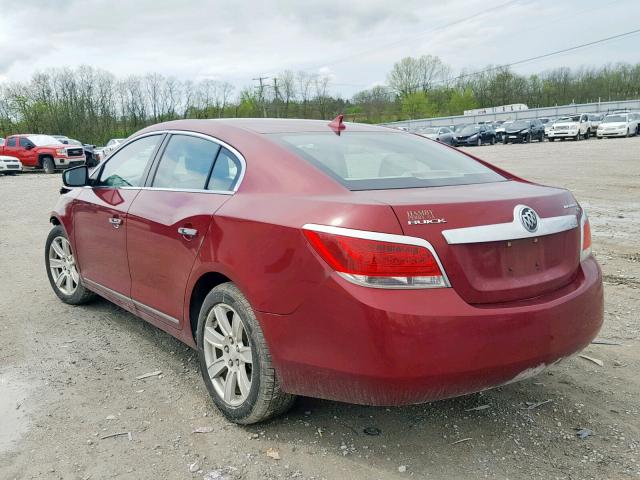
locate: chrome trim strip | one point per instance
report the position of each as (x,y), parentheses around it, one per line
(384,237)
(222,143)
(155,312)
(513,230)
(136,303)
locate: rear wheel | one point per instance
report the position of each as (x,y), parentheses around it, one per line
(235,361)
(62,270)
(47,165)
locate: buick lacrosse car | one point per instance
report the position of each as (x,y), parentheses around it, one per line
(334,260)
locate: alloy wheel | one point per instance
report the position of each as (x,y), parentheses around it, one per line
(62,265)
(227,352)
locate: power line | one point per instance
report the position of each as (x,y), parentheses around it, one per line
(424,32)
(545,55)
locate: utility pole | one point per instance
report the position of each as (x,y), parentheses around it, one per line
(276,94)
(261,93)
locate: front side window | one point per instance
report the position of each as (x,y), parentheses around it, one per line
(24,142)
(377,160)
(226,172)
(127,166)
(186,163)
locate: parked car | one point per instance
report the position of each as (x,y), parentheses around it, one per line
(441,134)
(571,126)
(475,135)
(89,154)
(501,129)
(595,119)
(42,151)
(111,145)
(618,125)
(524,131)
(10,165)
(329,265)
(548,126)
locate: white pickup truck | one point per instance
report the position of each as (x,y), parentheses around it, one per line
(572,126)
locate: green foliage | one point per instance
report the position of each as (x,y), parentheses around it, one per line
(93,105)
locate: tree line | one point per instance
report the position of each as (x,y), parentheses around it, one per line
(93,105)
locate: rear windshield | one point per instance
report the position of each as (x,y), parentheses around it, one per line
(381,160)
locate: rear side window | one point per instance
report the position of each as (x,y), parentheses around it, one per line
(386,160)
(186,163)
(127,166)
(11,142)
(226,172)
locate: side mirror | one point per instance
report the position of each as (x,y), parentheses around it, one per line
(76,176)
(29,146)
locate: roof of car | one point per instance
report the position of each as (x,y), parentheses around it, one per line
(264,125)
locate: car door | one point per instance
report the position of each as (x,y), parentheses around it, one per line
(100,216)
(27,151)
(168,221)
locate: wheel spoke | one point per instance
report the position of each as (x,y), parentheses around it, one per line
(58,249)
(245,354)
(65,247)
(216,368)
(230,385)
(56,263)
(74,275)
(213,337)
(223,321)
(236,329)
(243,382)
(61,278)
(68,283)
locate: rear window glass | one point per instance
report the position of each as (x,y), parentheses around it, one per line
(381,160)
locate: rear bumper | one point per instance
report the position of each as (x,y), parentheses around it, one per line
(392,347)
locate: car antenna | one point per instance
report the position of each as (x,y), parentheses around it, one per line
(336,124)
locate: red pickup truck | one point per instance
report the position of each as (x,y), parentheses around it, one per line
(42,151)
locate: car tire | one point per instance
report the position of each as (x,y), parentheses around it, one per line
(577,137)
(48,166)
(551,139)
(628,133)
(263,399)
(587,135)
(528,138)
(73,295)
(479,142)
(493,141)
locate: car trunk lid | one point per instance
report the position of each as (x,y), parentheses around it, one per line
(485,248)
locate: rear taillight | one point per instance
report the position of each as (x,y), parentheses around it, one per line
(585,236)
(377,259)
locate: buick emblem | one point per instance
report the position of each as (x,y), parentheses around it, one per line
(529,219)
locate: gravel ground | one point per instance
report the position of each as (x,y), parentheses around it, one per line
(68,374)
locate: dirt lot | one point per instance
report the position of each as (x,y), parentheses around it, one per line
(68,374)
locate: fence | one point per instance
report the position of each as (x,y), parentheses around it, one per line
(599,107)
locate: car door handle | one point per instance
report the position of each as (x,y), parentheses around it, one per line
(187,232)
(115,222)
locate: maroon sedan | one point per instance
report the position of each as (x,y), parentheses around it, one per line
(341,261)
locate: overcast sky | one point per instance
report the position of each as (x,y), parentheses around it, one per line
(355,41)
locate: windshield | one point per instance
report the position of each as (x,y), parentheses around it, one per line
(374,161)
(469,130)
(457,128)
(42,140)
(615,119)
(520,124)
(572,118)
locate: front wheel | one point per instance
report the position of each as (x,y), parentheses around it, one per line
(493,141)
(587,134)
(479,142)
(551,139)
(62,270)
(47,165)
(235,361)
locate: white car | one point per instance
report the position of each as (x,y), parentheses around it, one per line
(618,125)
(572,126)
(10,165)
(111,145)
